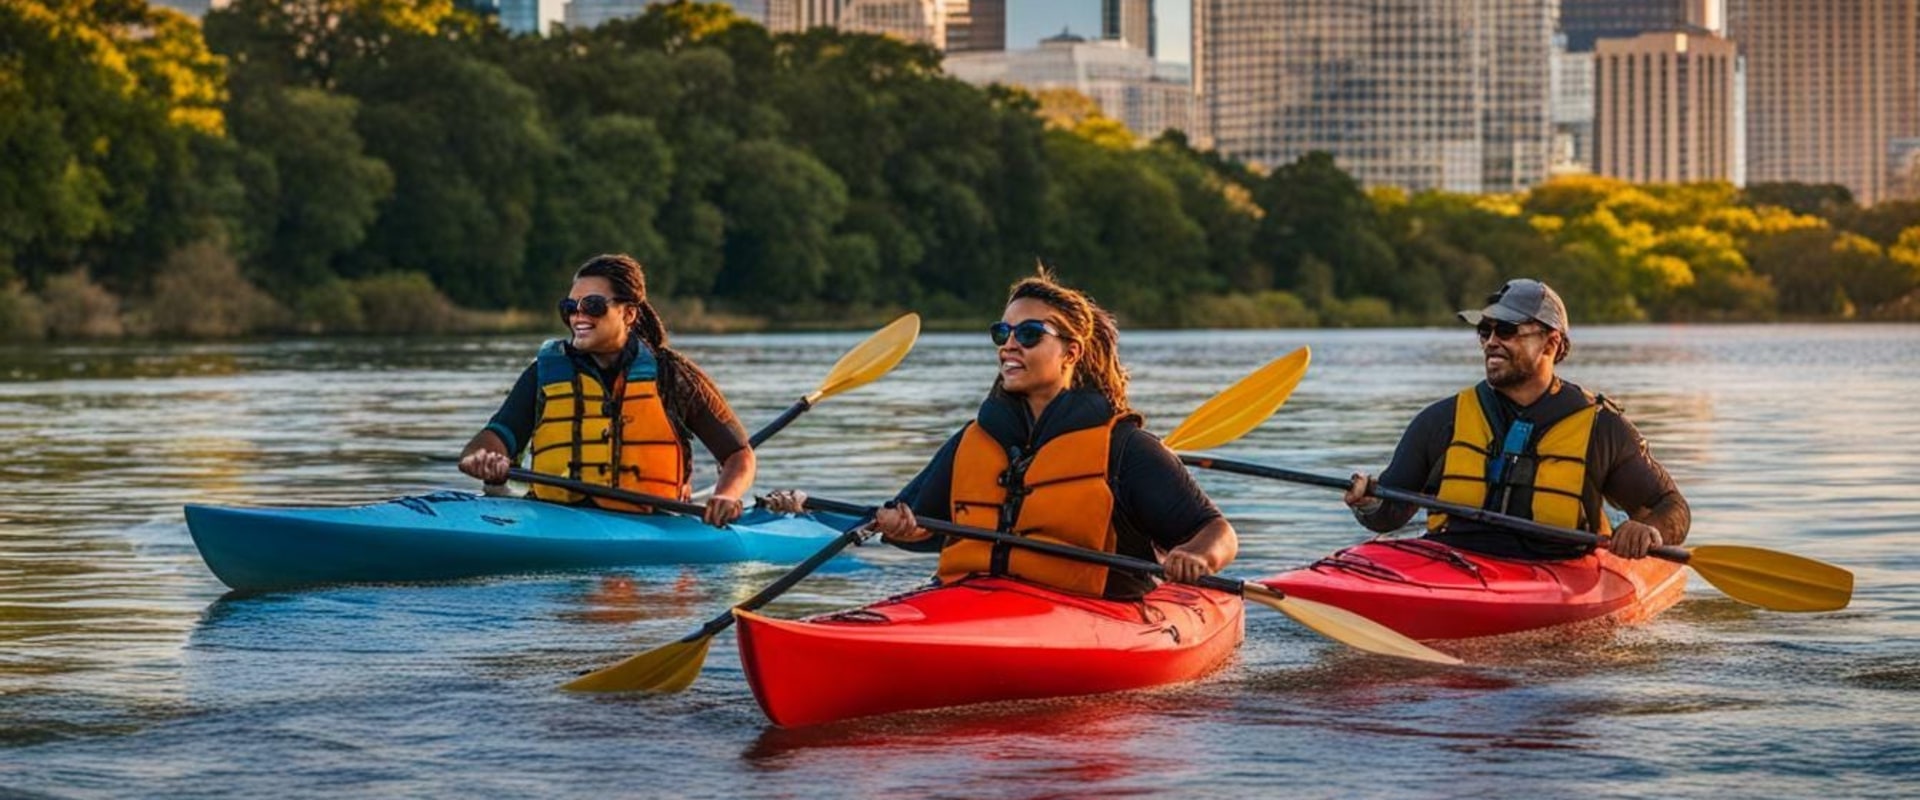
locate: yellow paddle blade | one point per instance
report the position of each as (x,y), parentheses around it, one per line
(668,668)
(1347,627)
(871,359)
(1243,406)
(1772,579)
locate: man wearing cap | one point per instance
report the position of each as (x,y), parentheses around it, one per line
(1526,443)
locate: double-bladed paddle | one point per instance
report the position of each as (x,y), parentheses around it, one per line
(673,666)
(1229,415)
(1333,622)
(860,366)
(1757,576)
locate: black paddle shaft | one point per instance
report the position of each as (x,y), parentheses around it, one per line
(1513,523)
(793,412)
(606,492)
(1109,560)
(853,535)
(850,536)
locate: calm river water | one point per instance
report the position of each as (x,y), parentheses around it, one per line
(125,672)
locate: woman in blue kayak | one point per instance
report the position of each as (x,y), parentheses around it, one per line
(614,405)
(1056,454)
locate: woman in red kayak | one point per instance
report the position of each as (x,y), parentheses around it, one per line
(1056,454)
(616,360)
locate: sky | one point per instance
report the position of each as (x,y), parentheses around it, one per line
(1029,21)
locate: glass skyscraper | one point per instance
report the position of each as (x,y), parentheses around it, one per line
(1420,94)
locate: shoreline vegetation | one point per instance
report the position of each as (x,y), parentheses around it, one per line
(335,167)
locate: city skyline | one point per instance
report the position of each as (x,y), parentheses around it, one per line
(1030,21)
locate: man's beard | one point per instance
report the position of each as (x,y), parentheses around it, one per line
(1514,374)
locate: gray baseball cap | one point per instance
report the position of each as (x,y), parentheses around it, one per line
(1520,300)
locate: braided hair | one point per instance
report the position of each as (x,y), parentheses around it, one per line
(1085,322)
(683,385)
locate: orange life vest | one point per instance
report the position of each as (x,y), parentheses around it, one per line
(584,434)
(1058,493)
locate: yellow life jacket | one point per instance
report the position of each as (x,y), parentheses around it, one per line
(1553,464)
(582,433)
(1058,493)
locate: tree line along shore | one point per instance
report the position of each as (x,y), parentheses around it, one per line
(405,166)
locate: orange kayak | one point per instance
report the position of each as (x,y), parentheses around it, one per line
(979,641)
(1427,590)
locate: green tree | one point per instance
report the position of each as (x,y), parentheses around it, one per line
(312,191)
(107,103)
(465,143)
(1222,205)
(1312,208)
(1119,231)
(312,42)
(1827,200)
(601,194)
(781,206)
(1868,276)
(1801,265)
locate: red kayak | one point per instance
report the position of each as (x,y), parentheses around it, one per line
(978,641)
(1428,590)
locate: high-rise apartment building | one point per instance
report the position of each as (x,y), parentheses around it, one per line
(1571,92)
(976,25)
(1663,108)
(1145,95)
(956,25)
(1586,21)
(1130,21)
(1411,93)
(1833,92)
(922,21)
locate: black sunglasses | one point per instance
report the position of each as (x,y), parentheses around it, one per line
(592,305)
(1489,328)
(1026,333)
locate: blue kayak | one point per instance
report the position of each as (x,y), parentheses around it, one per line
(448,535)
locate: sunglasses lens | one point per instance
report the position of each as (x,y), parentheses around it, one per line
(592,305)
(1027,334)
(1505,330)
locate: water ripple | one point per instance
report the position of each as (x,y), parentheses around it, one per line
(123,663)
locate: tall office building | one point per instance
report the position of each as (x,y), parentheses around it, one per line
(922,21)
(1663,108)
(531,16)
(945,24)
(1130,21)
(1587,21)
(1411,93)
(799,15)
(1129,86)
(1571,92)
(1833,92)
(976,25)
